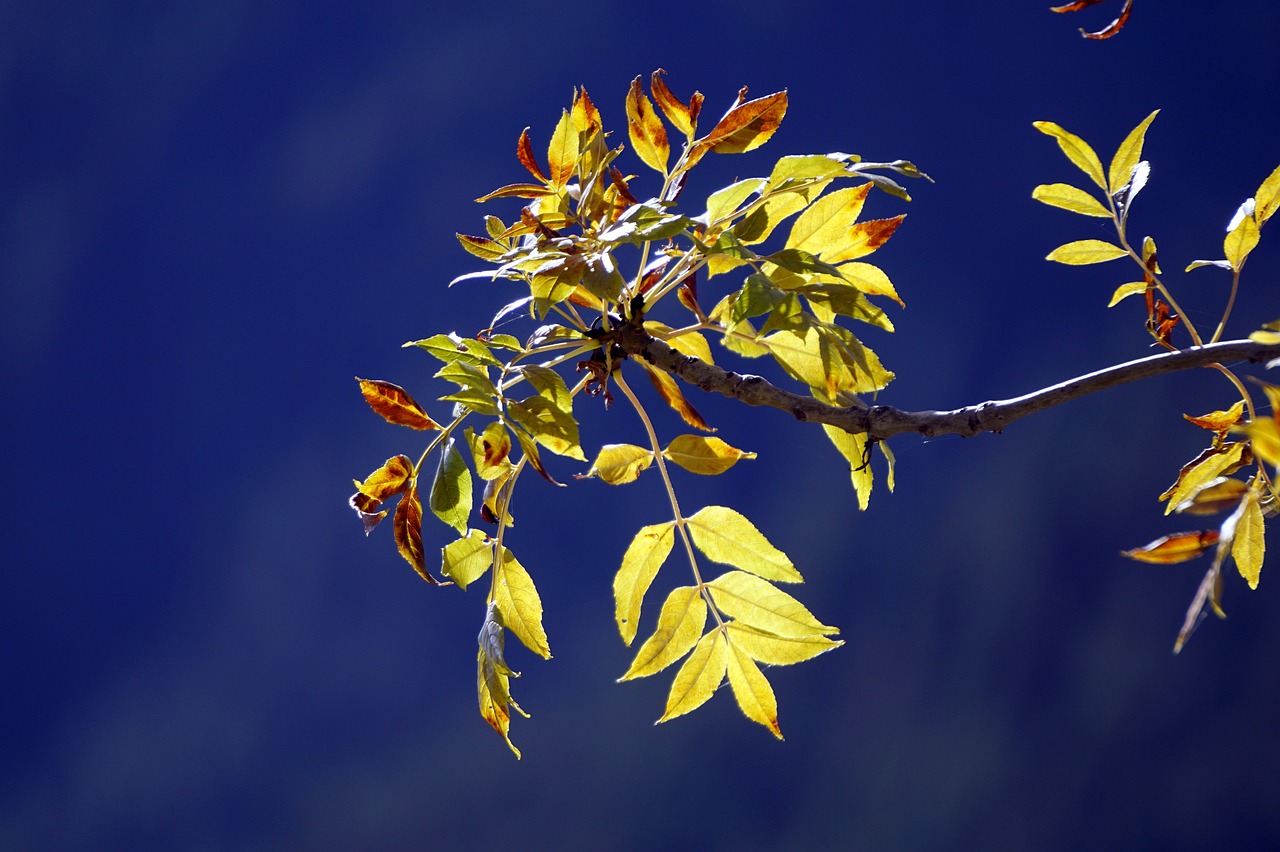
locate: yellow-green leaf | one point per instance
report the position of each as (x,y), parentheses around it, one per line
(690,343)
(618,464)
(762,605)
(465,560)
(520,605)
(493,684)
(550,426)
(562,154)
(1264,437)
(824,225)
(727,537)
(645,555)
(450,498)
(684,614)
(1249,544)
(1267,198)
(699,677)
(1068,197)
(854,450)
(773,650)
(1241,240)
(1124,291)
(1082,252)
(778,207)
(724,202)
(1077,151)
(1128,154)
(648,136)
(1209,465)
(752,690)
(870,280)
(703,454)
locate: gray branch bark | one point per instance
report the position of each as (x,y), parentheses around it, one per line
(884,421)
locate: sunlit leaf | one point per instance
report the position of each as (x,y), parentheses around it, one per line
(1128,154)
(1209,593)
(1083,252)
(1197,264)
(690,343)
(1124,291)
(1177,547)
(1219,421)
(562,154)
(864,238)
(669,390)
(493,678)
(1208,465)
(548,424)
(395,405)
(408,528)
(1241,240)
(453,347)
(870,280)
(752,690)
(854,449)
(776,209)
(704,454)
(1070,198)
(521,607)
(648,136)
(758,603)
(645,555)
(1248,545)
(516,190)
(747,125)
(1106,32)
(1268,338)
(524,152)
(1077,151)
(727,537)
(684,614)
(450,498)
(465,560)
(803,167)
(1267,198)
(490,450)
(1264,437)
(823,227)
(683,116)
(618,464)
(773,650)
(699,677)
(392,478)
(482,247)
(1216,496)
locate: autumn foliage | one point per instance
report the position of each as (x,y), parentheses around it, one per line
(619,276)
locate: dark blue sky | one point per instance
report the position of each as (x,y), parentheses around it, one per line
(212,216)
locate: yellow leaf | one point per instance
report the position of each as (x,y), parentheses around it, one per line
(1219,421)
(704,454)
(1082,252)
(520,605)
(752,690)
(1216,496)
(1208,465)
(683,116)
(760,604)
(490,450)
(1268,338)
(864,238)
(1267,198)
(493,684)
(1077,151)
(684,614)
(779,206)
(465,560)
(727,537)
(870,280)
(1128,154)
(724,202)
(1264,437)
(563,151)
(1240,241)
(854,450)
(1171,549)
(551,426)
(699,677)
(648,136)
(619,464)
(1249,544)
(645,555)
(690,343)
(1124,291)
(825,223)
(1068,197)
(777,650)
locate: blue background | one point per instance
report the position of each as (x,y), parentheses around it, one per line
(213,215)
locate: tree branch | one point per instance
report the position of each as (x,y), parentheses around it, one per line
(885,421)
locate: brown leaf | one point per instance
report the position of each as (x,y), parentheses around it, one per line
(1177,547)
(676,111)
(1216,496)
(1107,31)
(387,481)
(1209,592)
(395,405)
(524,151)
(747,125)
(408,526)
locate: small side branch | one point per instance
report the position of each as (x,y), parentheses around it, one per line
(885,421)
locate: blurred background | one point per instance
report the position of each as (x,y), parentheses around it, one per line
(214,215)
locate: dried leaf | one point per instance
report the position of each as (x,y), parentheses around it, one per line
(645,555)
(408,527)
(747,125)
(1216,496)
(1219,421)
(725,536)
(699,677)
(394,404)
(704,454)
(1077,151)
(760,604)
(672,107)
(648,136)
(1083,252)
(1177,547)
(1070,198)
(684,614)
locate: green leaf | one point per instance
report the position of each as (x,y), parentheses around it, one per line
(465,560)
(684,614)
(760,604)
(699,677)
(452,347)
(549,425)
(1128,154)
(1077,151)
(645,555)
(520,605)
(1083,252)
(757,296)
(1068,197)
(725,536)
(450,498)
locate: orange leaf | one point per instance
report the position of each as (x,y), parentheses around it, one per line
(1106,32)
(1178,547)
(1219,421)
(682,116)
(395,405)
(865,237)
(408,525)
(586,118)
(746,126)
(670,391)
(387,481)
(524,151)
